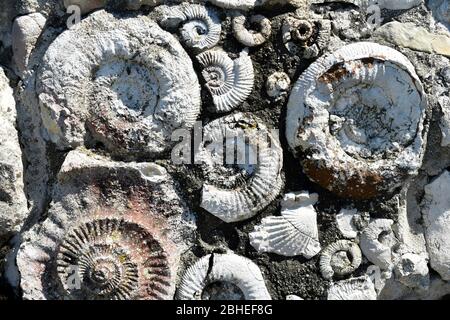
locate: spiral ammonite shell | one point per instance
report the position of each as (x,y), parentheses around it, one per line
(235,278)
(114,231)
(360,133)
(247,177)
(251,38)
(340,258)
(123,82)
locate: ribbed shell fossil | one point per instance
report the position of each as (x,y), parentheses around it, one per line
(361,134)
(114,231)
(377,241)
(251,179)
(251,38)
(294,233)
(199,27)
(353,289)
(229,82)
(235,277)
(125,83)
(307,37)
(340,258)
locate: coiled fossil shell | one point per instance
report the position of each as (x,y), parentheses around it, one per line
(353,289)
(340,258)
(199,27)
(251,38)
(361,133)
(305,36)
(252,178)
(114,231)
(377,241)
(125,83)
(294,233)
(229,82)
(236,277)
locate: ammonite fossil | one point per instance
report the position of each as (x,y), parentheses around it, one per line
(124,83)
(229,81)
(360,134)
(223,277)
(247,36)
(241,162)
(114,231)
(340,258)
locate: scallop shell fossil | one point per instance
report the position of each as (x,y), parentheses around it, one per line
(251,38)
(377,241)
(361,133)
(199,27)
(234,278)
(294,233)
(114,231)
(353,289)
(251,178)
(125,83)
(305,36)
(340,258)
(229,82)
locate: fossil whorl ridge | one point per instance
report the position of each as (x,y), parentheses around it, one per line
(114,231)
(361,134)
(125,83)
(229,82)
(340,258)
(245,178)
(236,278)
(199,27)
(353,289)
(251,38)
(294,233)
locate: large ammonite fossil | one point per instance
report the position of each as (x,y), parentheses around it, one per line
(359,132)
(114,231)
(121,82)
(241,162)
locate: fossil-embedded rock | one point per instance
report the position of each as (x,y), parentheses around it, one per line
(436,213)
(353,289)
(13,204)
(114,231)
(360,134)
(340,258)
(277,84)
(249,37)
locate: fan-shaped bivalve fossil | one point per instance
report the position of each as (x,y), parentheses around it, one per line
(13,203)
(340,258)
(223,277)
(245,178)
(277,84)
(360,133)
(125,83)
(353,289)
(307,37)
(229,82)
(294,232)
(247,36)
(377,241)
(199,27)
(112,232)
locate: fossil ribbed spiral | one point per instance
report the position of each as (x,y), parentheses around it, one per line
(340,258)
(125,83)
(241,163)
(359,132)
(248,37)
(228,276)
(229,82)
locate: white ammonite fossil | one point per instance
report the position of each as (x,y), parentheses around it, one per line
(124,83)
(247,36)
(340,258)
(361,288)
(241,162)
(199,27)
(223,277)
(114,231)
(294,233)
(229,81)
(305,36)
(359,133)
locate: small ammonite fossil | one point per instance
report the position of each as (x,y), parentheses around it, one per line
(359,133)
(340,258)
(223,277)
(248,36)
